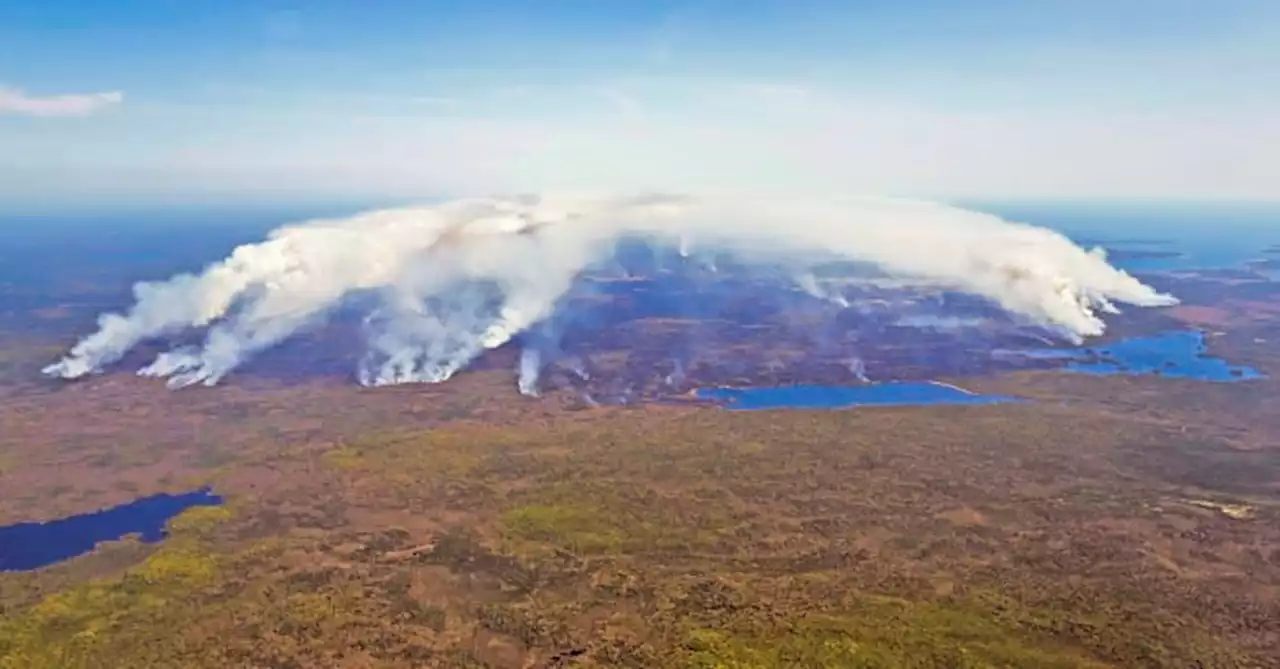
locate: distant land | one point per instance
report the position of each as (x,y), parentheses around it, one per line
(1123,241)
(1123,255)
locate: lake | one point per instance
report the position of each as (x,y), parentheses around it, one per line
(1178,354)
(27,546)
(837,397)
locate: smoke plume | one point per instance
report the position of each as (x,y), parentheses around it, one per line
(453,280)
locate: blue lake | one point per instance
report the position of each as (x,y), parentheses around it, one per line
(1179,354)
(835,397)
(26,546)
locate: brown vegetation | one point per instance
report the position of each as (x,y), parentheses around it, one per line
(1113,522)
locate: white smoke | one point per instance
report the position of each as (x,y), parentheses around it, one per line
(809,284)
(859,370)
(456,279)
(529,368)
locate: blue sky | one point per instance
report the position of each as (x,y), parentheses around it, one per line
(171,100)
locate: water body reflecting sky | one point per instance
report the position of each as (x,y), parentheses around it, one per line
(26,546)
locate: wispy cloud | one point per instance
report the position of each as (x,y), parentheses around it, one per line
(621,101)
(436,100)
(774,92)
(514,91)
(15,101)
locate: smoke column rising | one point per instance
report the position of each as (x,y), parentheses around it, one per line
(529,368)
(456,279)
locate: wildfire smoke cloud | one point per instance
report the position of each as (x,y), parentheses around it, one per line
(455,279)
